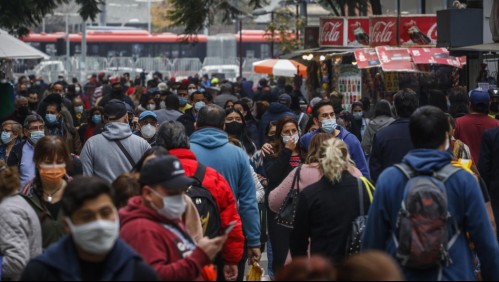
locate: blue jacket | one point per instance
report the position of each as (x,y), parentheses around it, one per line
(61,262)
(390,145)
(465,204)
(211,147)
(354,147)
(275,112)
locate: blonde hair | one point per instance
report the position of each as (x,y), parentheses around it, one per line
(16,127)
(314,149)
(334,159)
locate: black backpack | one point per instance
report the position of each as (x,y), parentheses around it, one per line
(423,222)
(205,204)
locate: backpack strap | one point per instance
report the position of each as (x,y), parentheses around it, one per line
(200,173)
(360,187)
(446,172)
(408,171)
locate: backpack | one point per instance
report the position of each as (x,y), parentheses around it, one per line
(422,240)
(205,204)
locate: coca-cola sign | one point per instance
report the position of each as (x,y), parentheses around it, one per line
(332,32)
(418,30)
(358,31)
(383,31)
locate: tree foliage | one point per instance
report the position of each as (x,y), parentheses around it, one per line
(17,16)
(193,15)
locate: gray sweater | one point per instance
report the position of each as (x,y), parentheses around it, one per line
(20,236)
(102,157)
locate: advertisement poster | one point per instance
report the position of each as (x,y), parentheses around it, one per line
(434,56)
(418,30)
(367,58)
(395,59)
(358,31)
(332,32)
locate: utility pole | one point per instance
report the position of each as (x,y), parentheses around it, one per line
(273,35)
(67,42)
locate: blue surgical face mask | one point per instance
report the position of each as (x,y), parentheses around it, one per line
(96,119)
(35,136)
(79,109)
(199,105)
(358,115)
(51,118)
(6,137)
(329,125)
(182,101)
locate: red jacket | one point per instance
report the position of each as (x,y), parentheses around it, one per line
(142,228)
(232,251)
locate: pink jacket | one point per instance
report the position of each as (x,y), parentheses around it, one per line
(310,174)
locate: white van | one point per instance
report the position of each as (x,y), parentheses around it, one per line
(231,72)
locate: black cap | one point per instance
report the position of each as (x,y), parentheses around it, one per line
(166,171)
(115,109)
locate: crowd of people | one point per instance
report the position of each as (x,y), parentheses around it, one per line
(187,180)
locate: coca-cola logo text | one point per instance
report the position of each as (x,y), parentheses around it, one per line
(331,32)
(383,32)
(432,32)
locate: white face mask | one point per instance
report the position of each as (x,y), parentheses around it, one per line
(190,91)
(151,107)
(162,105)
(77,89)
(295,138)
(97,237)
(148,131)
(173,206)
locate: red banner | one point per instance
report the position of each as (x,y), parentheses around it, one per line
(383,31)
(367,58)
(395,59)
(432,56)
(358,31)
(332,32)
(418,30)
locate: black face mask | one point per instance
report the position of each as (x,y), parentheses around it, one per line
(494,107)
(117,91)
(234,128)
(24,111)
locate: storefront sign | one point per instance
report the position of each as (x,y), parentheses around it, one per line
(383,31)
(358,31)
(418,30)
(367,58)
(332,32)
(395,59)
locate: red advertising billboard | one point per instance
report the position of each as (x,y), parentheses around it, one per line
(395,59)
(358,31)
(418,30)
(383,31)
(366,58)
(434,56)
(332,32)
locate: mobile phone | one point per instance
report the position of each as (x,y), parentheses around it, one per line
(229,228)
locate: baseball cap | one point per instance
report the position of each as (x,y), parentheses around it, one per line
(145,114)
(162,87)
(114,80)
(285,99)
(166,171)
(479,97)
(115,109)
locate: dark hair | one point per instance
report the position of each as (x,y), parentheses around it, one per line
(383,108)
(92,111)
(33,118)
(82,189)
(320,104)
(245,139)
(156,150)
(357,104)
(459,101)
(249,115)
(406,102)
(309,125)
(57,105)
(315,268)
(261,108)
(429,127)
(9,180)
(211,116)
(50,147)
(278,145)
(125,187)
(172,135)
(227,103)
(438,99)
(145,98)
(172,102)
(366,102)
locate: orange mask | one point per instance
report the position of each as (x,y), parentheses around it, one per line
(52,173)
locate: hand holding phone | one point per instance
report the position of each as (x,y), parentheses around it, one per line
(229,228)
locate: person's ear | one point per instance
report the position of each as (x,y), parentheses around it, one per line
(316,122)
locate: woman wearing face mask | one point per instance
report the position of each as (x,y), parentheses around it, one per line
(250,121)
(147,103)
(235,126)
(93,126)
(359,123)
(11,136)
(286,157)
(78,113)
(44,192)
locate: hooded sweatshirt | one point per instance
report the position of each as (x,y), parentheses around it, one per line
(212,148)
(465,204)
(144,230)
(102,157)
(275,112)
(374,126)
(61,263)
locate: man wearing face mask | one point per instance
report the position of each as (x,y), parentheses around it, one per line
(183,98)
(33,100)
(116,93)
(199,100)
(147,127)
(11,136)
(325,117)
(22,110)
(116,150)
(66,105)
(92,251)
(21,155)
(151,224)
